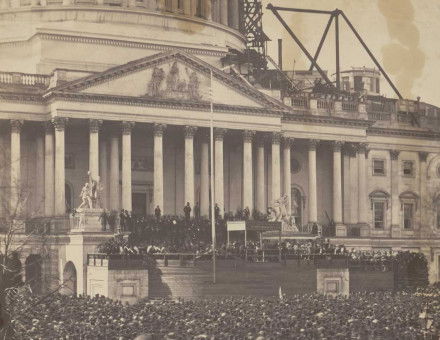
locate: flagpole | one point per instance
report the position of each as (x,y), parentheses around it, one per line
(211,142)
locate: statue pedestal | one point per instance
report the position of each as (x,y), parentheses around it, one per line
(88,220)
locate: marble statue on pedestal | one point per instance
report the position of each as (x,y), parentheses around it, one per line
(90,209)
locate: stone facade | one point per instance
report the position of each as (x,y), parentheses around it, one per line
(135,109)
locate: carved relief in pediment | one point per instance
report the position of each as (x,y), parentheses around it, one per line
(177,82)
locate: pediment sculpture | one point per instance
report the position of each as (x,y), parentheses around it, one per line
(174,83)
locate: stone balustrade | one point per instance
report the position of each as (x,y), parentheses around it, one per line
(16,78)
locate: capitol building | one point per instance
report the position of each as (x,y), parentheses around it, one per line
(124,89)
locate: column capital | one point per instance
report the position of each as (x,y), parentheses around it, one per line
(361,147)
(94,125)
(394,154)
(48,126)
(337,145)
(276,137)
(423,155)
(127,127)
(59,123)
(190,131)
(159,129)
(313,143)
(248,135)
(16,125)
(287,141)
(219,133)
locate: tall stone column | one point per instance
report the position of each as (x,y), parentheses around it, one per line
(395,203)
(158,166)
(424,227)
(235,14)
(126,165)
(362,185)
(354,196)
(16,198)
(189,166)
(219,180)
(337,189)
(248,182)
(346,185)
(204,176)
(224,12)
(276,168)
(94,125)
(60,177)
(114,171)
(260,194)
(49,168)
(313,203)
(38,207)
(103,171)
(287,177)
(207,9)
(215,6)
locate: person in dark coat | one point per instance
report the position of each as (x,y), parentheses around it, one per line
(187,211)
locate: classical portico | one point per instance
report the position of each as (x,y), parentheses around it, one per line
(143,128)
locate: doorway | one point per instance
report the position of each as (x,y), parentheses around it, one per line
(139,204)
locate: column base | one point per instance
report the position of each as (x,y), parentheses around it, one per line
(364,229)
(396,231)
(341,230)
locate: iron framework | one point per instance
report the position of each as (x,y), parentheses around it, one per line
(334,16)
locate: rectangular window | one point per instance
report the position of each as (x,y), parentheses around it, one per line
(378,167)
(379,214)
(408,209)
(408,168)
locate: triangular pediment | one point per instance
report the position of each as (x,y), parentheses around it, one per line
(174,76)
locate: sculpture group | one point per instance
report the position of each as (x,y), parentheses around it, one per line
(279,213)
(91,194)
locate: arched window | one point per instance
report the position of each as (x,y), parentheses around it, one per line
(34,273)
(379,205)
(69,279)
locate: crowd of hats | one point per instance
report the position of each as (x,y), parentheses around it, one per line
(380,315)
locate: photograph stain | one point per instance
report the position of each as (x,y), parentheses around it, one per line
(403,57)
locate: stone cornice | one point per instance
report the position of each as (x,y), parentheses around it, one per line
(162,103)
(124,43)
(327,120)
(21,97)
(403,133)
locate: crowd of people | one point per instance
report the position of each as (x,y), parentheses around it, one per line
(379,315)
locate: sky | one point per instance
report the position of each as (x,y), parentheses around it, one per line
(404,35)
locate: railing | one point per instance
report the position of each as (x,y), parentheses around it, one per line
(326,104)
(379,116)
(40,80)
(350,106)
(300,102)
(403,117)
(118,261)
